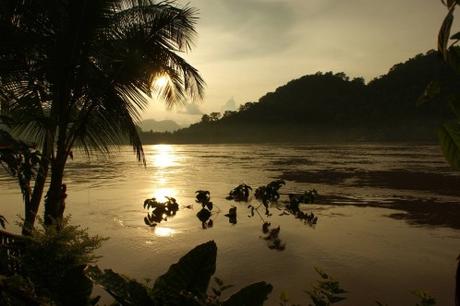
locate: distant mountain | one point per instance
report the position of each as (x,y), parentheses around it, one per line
(159,126)
(332,107)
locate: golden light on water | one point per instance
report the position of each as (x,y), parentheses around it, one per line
(161,193)
(161,231)
(163,156)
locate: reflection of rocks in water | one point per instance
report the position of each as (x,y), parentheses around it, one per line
(293,162)
(429,212)
(204,215)
(269,193)
(293,206)
(231,215)
(415,211)
(441,183)
(272,237)
(160,210)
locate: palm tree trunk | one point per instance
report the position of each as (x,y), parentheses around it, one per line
(31,210)
(54,209)
(54,204)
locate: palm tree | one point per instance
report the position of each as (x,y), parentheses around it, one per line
(20,161)
(78,73)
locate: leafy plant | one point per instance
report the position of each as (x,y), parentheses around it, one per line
(284,300)
(204,215)
(216,292)
(124,290)
(272,237)
(55,262)
(21,161)
(252,295)
(326,291)
(3,221)
(185,283)
(16,290)
(204,198)
(270,192)
(160,210)
(425,298)
(240,193)
(232,217)
(449,132)
(293,206)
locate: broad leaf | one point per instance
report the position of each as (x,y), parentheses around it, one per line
(449,137)
(454,103)
(444,32)
(190,275)
(75,288)
(432,90)
(455,36)
(252,295)
(122,289)
(3,221)
(425,298)
(449,3)
(453,58)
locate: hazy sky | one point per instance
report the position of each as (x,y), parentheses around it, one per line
(246,48)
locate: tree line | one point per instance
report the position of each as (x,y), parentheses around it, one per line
(328,106)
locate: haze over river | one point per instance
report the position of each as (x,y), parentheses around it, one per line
(389,220)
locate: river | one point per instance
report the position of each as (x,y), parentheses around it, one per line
(388,216)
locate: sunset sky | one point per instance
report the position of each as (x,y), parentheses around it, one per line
(246,48)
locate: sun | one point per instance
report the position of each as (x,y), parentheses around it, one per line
(161,82)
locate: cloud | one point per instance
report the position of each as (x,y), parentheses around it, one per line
(190,109)
(246,28)
(230,105)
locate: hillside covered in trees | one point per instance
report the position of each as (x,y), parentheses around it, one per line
(327,107)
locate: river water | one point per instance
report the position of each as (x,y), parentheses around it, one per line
(387,215)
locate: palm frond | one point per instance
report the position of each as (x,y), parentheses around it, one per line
(144,41)
(84,69)
(107,116)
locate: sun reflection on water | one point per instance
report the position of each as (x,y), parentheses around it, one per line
(161,193)
(164,231)
(163,156)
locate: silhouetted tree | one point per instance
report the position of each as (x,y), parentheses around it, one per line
(228,113)
(246,106)
(215,116)
(205,118)
(79,72)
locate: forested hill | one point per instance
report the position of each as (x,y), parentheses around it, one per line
(332,107)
